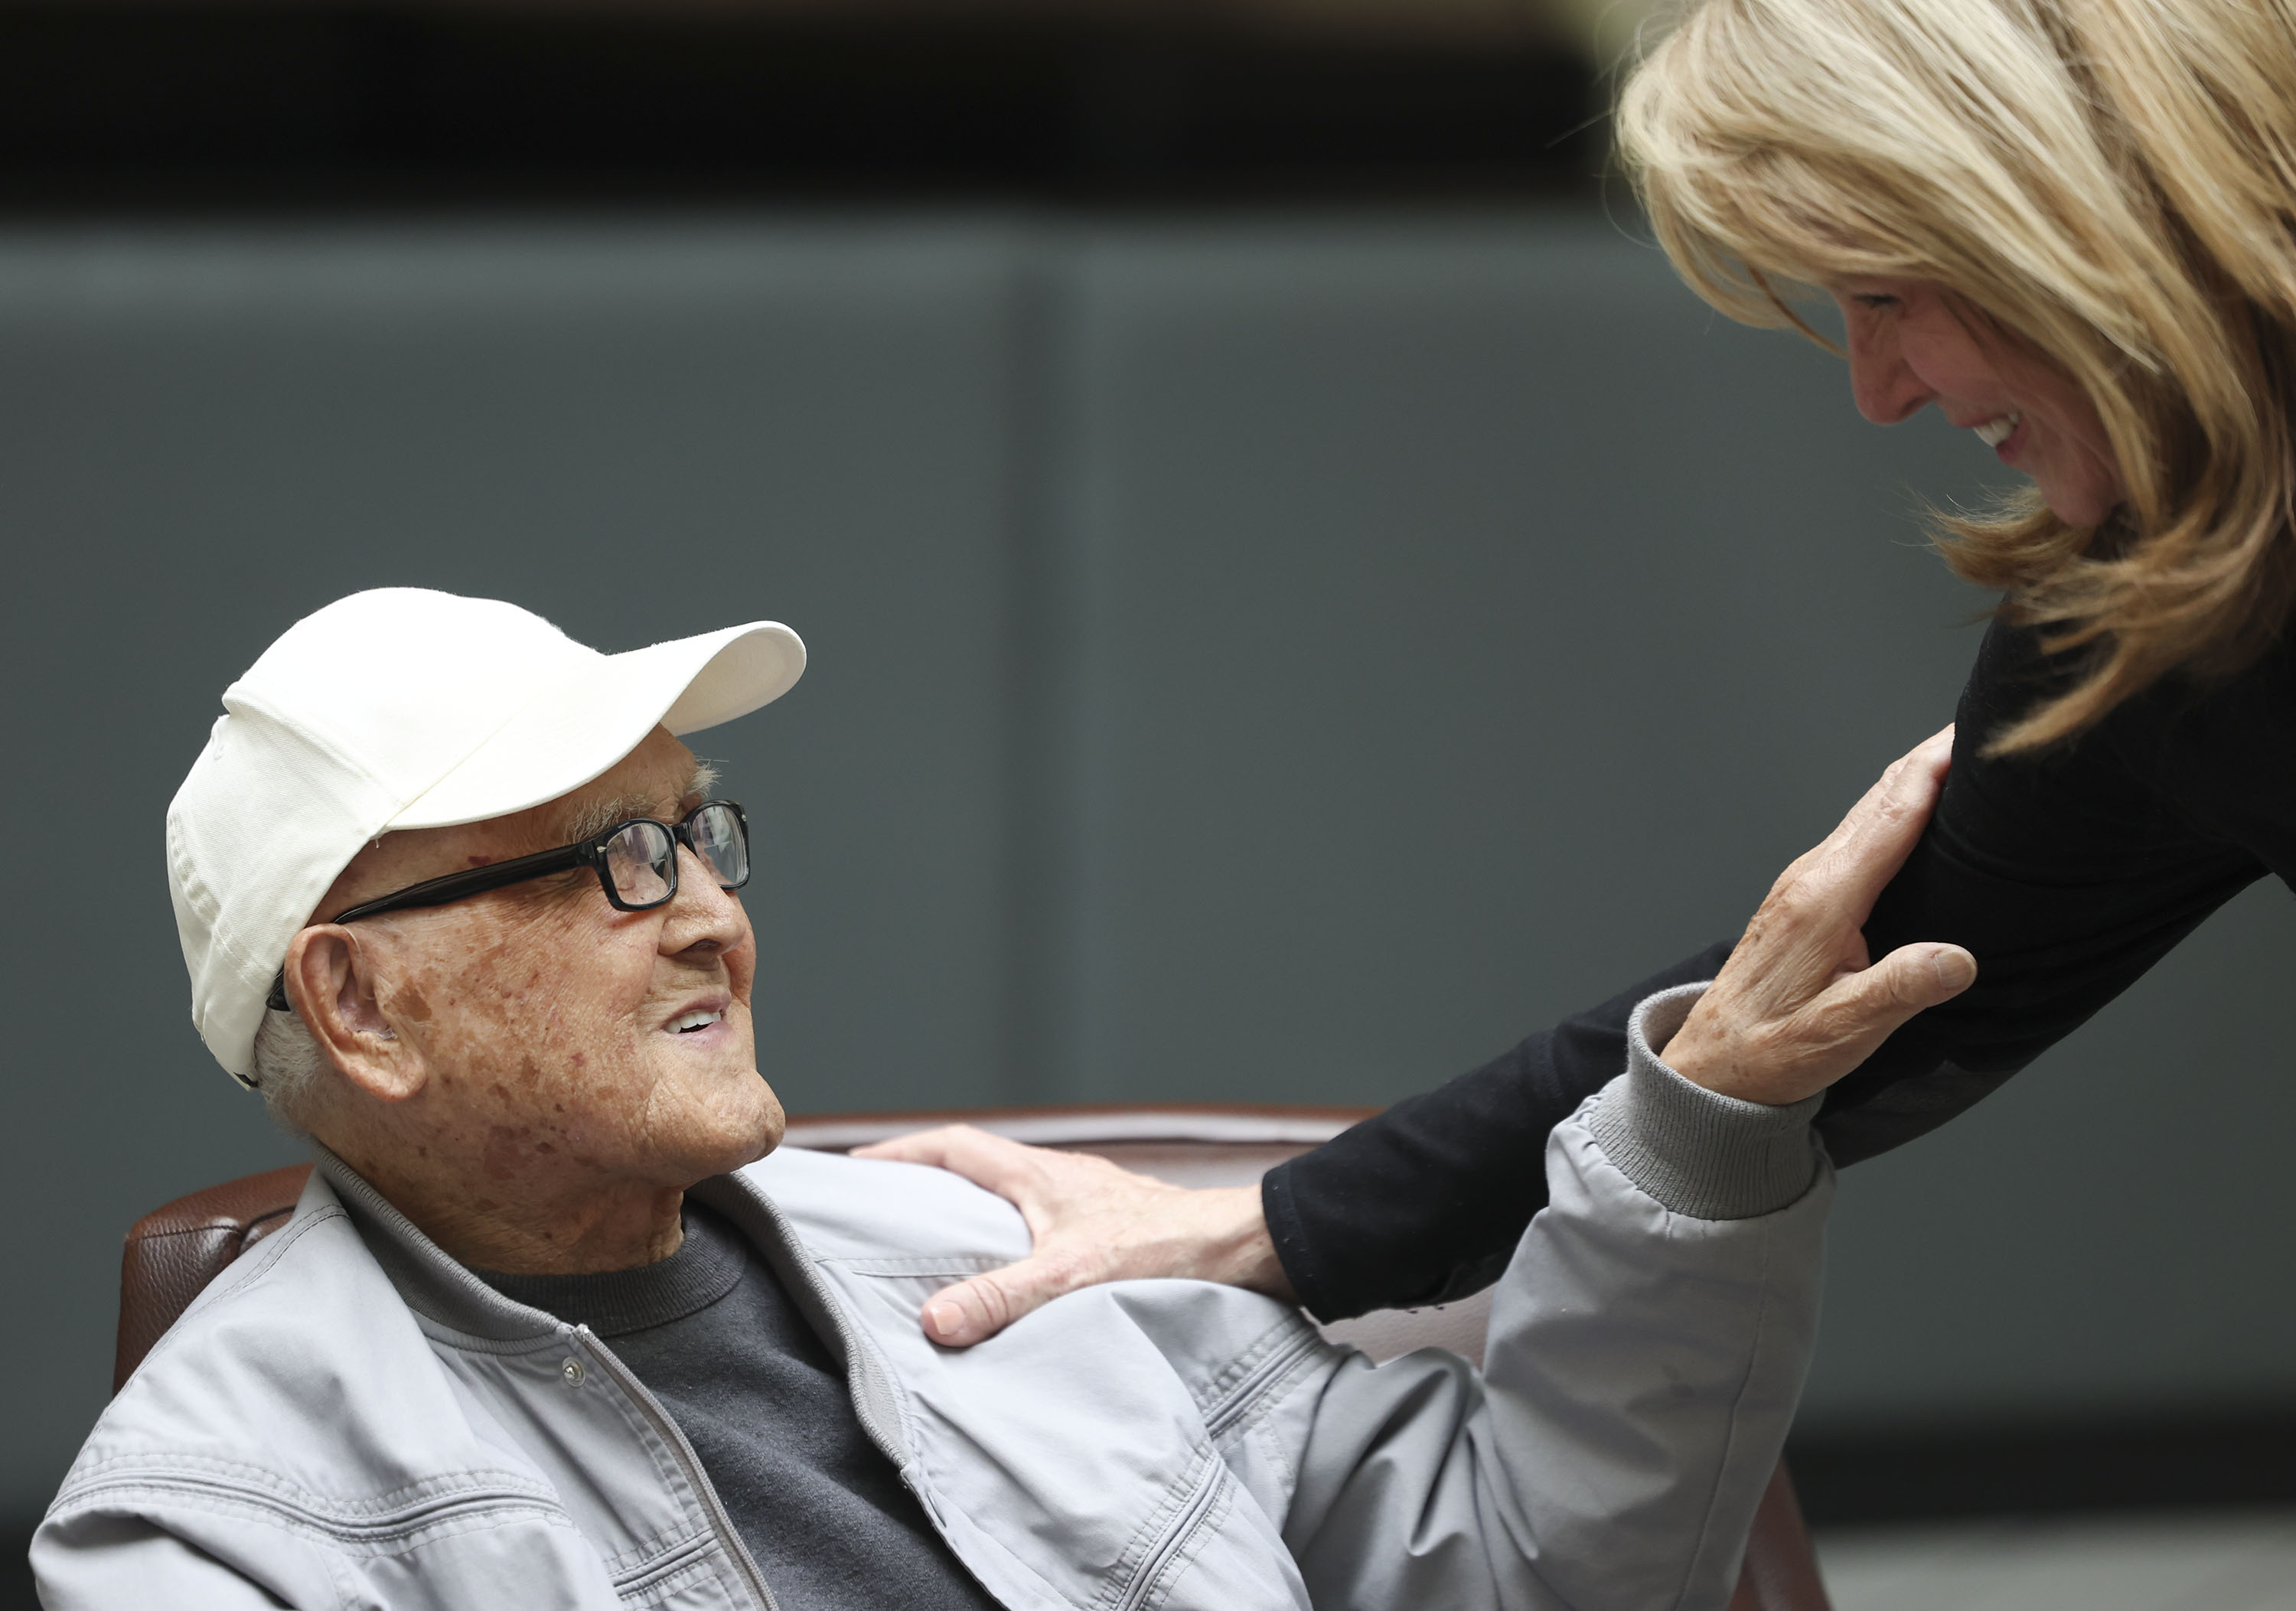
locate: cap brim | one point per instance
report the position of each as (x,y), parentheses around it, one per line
(581,725)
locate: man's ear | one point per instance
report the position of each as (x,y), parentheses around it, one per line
(331,979)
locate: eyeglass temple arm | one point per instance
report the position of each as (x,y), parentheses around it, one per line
(448,887)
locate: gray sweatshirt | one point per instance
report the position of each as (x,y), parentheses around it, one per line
(714,1336)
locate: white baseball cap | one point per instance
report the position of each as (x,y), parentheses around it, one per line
(403,708)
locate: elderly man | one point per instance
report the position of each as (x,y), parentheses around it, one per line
(551,1327)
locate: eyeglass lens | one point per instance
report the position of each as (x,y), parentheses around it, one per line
(642,859)
(718,836)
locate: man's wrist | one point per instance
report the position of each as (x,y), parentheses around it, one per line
(1697,1151)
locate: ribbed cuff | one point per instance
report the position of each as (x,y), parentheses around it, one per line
(1698,1152)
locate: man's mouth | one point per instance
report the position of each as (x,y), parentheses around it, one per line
(1994,433)
(685,1024)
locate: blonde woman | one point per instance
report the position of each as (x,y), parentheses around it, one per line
(2069,226)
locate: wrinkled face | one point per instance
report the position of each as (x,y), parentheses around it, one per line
(1909,347)
(555,1035)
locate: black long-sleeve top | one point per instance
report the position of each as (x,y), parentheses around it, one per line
(2066,874)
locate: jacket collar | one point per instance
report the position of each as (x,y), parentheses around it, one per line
(442,1291)
(431,1282)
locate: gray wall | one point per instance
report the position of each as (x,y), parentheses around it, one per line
(1252,660)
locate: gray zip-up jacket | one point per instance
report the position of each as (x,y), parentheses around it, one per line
(348,1418)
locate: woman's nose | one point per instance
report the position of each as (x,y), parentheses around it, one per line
(1884,385)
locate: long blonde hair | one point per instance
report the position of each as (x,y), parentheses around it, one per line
(2110,184)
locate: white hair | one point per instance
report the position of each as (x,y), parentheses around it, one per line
(288,1065)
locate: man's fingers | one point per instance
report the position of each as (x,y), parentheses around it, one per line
(1863,1009)
(1797,1005)
(1865,853)
(973,1311)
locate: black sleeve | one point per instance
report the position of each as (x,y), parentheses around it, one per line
(2066,876)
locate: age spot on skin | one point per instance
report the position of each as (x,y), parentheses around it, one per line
(505,1143)
(415,1005)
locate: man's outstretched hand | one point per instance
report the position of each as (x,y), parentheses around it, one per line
(1799,1003)
(1092,1223)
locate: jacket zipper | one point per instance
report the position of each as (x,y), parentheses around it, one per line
(1200,1502)
(721,1521)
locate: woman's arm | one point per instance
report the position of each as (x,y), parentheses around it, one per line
(2067,875)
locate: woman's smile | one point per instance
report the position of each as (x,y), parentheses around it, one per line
(1911,346)
(1995,433)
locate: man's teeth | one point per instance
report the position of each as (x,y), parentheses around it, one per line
(1994,433)
(690,1020)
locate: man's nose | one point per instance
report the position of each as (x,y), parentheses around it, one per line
(1884,385)
(701,913)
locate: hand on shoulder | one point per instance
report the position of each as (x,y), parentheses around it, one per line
(1092,1223)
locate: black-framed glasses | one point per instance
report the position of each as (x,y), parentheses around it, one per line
(635,861)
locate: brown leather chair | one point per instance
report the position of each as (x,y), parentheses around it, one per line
(175,1250)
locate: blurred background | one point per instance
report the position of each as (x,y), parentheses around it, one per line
(1299,596)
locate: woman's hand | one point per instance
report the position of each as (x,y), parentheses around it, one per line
(1092,1223)
(1799,1005)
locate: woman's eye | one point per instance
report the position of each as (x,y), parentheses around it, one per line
(1876,301)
